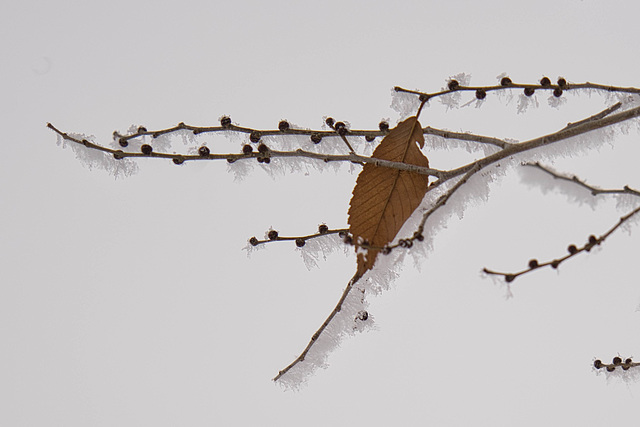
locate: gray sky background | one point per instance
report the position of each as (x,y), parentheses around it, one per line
(131,301)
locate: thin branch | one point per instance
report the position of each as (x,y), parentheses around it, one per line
(597,116)
(574,179)
(557,88)
(324,325)
(572,249)
(615,363)
(300,240)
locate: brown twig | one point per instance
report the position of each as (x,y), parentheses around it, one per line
(615,363)
(572,249)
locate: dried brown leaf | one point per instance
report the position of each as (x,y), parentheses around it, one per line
(384,198)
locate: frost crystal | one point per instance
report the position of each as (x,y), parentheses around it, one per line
(99,159)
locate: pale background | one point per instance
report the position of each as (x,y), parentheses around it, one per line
(131,302)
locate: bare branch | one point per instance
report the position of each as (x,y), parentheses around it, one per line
(300,240)
(324,325)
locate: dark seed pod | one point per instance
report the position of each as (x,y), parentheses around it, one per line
(555,263)
(592,240)
(370,138)
(263,149)
(204,151)
(509,278)
(533,263)
(230,160)
(529,91)
(572,249)
(453,84)
(123,142)
(329,121)
(386,250)
(611,368)
(316,138)
(142,129)
(323,229)
(348,239)
(625,368)
(341,128)
(255,136)
(225,121)
(260,159)
(253,241)
(562,82)
(247,149)
(283,125)
(423,97)
(506,81)
(300,242)
(273,235)
(267,160)
(118,155)
(419,237)
(146,149)
(178,160)
(597,364)
(628,361)
(545,82)
(481,94)
(617,360)
(557,92)
(384,126)
(363,315)
(343,234)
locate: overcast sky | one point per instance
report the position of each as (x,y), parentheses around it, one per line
(131,301)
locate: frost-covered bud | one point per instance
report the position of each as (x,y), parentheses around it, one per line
(253,241)
(146,149)
(555,263)
(529,91)
(178,160)
(329,121)
(225,121)
(267,160)
(597,364)
(405,243)
(273,234)
(300,242)
(341,128)
(118,155)
(383,126)
(323,229)
(453,84)
(347,239)
(362,315)
(247,149)
(260,159)
(255,136)
(593,240)
(545,81)
(204,151)
(611,368)
(283,125)
(506,81)
(509,278)
(418,236)
(123,142)
(263,149)
(628,361)
(557,92)
(562,82)
(316,138)
(617,360)
(533,263)
(572,249)
(142,129)
(342,234)
(370,138)
(386,250)
(423,97)
(481,94)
